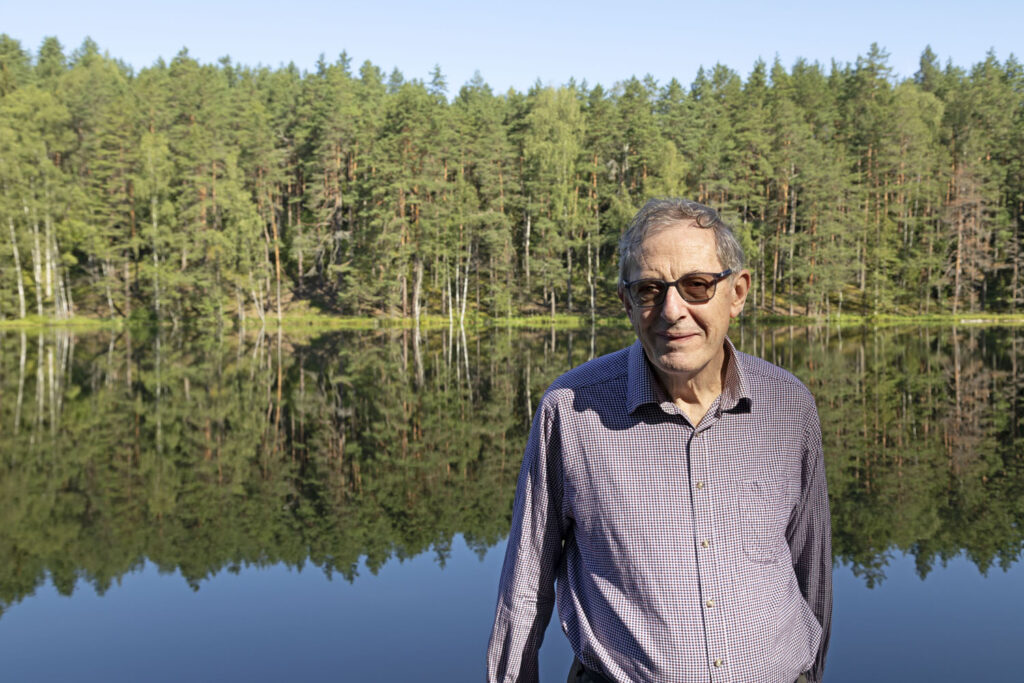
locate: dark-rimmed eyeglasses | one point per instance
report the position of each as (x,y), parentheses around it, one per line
(696,288)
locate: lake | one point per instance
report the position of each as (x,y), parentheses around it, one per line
(334,505)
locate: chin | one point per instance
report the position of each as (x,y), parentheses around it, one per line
(689,358)
(679,363)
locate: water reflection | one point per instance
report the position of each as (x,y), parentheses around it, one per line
(212,452)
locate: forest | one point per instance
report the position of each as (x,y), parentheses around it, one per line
(186,191)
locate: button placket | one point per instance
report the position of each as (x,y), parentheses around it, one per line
(707,560)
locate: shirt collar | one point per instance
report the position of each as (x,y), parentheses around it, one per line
(643,388)
(735,391)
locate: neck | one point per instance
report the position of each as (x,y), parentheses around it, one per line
(695,394)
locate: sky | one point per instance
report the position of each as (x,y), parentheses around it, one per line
(515,44)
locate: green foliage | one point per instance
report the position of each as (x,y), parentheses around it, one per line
(201,191)
(201,453)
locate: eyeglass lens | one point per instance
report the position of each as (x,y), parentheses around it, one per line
(692,288)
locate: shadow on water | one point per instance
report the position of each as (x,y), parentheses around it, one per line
(206,453)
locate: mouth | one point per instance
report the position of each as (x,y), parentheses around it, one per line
(670,337)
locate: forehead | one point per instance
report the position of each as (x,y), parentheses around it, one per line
(676,249)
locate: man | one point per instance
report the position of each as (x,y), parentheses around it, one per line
(675,489)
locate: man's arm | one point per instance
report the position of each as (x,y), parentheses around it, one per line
(526,592)
(810,540)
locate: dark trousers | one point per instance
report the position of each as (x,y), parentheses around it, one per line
(579,674)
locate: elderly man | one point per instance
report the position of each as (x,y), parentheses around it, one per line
(674,489)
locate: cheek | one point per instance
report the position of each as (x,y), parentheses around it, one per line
(643,319)
(637,321)
(720,321)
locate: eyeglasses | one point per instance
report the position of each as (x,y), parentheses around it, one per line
(696,288)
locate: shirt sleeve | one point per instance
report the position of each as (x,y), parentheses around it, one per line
(526,591)
(810,540)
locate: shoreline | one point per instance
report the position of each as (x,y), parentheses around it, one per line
(308,321)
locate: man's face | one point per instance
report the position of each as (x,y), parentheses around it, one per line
(684,341)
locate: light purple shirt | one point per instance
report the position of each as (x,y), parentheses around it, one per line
(680,554)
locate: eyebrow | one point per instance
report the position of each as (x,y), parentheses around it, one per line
(692,272)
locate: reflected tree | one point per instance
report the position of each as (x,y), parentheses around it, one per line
(207,453)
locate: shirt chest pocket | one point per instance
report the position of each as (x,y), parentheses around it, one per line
(764,514)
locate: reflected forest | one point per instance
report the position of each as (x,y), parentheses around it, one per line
(352,449)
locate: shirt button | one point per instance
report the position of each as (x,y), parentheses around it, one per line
(705,543)
(710,603)
(700,484)
(719,662)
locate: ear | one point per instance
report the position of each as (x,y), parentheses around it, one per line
(740,287)
(626,303)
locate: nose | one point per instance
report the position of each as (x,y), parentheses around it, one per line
(674,307)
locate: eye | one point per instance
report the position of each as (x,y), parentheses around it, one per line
(696,287)
(647,291)
(697,282)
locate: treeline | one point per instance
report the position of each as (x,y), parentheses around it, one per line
(190,190)
(201,454)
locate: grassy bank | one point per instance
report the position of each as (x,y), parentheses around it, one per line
(78,323)
(312,321)
(892,319)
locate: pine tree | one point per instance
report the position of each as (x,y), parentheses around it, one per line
(980,115)
(103,115)
(866,104)
(552,148)
(15,65)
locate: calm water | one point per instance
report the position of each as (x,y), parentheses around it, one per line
(334,507)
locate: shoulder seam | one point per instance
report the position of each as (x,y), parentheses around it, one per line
(781,372)
(603,380)
(576,385)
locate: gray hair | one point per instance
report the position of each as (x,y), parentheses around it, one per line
(659,213)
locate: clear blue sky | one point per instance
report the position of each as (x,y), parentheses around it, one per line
(514,43)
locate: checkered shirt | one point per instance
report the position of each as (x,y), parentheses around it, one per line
(680,553)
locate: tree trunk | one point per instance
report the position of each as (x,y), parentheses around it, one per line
(17,269)
(403,295)
(106,269)
(526,254)
(37,270)
(60,303)
(277,263)
(792,244)
(127,289)
(446,293)
(590,283)
(417,284)
(1015,296)
(156,259)
(763,278)
(775,262)
(465,293)
(568,279)
(240,308)
(67,294)
(48,276)
(958,264)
